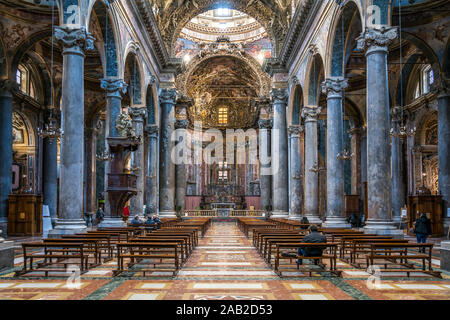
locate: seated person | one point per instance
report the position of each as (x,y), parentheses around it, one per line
(156,219)
(136,221)
(304,221)
(313,237)
(150,223)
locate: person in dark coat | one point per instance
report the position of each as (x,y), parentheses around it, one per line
(136,222)
(304,221)
(313,237)
(422,229)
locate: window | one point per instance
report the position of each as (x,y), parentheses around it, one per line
(223,115)
(23,79)
(223,171)
(222,12)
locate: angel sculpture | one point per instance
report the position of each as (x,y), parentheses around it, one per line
(123,125)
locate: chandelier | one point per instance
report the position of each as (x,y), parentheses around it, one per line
(345,155)
(50,129)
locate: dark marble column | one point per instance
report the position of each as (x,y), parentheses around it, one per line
(6,87)
(296,174)
(376,42)
(442,88)
(91,148)
(75,42)
(138,116)
(115,88)
(50,176)
(151,132)
(398,188)
(334,88)
(264,155)
(167,100)
(180,166)
(279,145)
(311,170)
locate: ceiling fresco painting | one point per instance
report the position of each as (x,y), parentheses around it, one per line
(223,82)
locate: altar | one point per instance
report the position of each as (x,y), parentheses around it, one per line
(223,208)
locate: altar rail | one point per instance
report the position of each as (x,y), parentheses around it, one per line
(200,213)
(247,213)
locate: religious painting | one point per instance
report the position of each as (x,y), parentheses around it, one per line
(185,47)
(18,129)
(259,49)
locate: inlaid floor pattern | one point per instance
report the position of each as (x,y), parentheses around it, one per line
(225,265)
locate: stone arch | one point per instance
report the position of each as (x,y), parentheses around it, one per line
(296,104)
(151,103)
(108,31)
(342,40)
(133,74)
(315,72)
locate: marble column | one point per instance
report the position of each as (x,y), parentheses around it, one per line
(180,168)
(167,99)
(334,88)
(91,149)
(296,174)
(151,132)
(355,136)
(376,42)
(6,88)
(138,116)
(311,170)
(264,155)
(50,176)
(279,145)
(398,188)
(74,42)
(442,88)
(115,88)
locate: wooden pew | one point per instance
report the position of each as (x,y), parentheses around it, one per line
(330,253)
(147,250)
(182,248)
(104,242)
(397,254)
(363,246)
(65,253)
(271,243)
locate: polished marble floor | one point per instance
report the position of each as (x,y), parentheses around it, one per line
(224,265)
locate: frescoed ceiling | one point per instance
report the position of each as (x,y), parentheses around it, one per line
(220,82)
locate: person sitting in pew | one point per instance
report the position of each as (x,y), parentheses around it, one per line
(136,222)
(150,223)
(304,221)
(313,237)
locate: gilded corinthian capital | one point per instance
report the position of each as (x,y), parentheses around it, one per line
(441,86)
(376,38)
(74,40)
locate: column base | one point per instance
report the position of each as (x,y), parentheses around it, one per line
(383,228)
(112,223)
(295,217)
(279,214)
(167,214)
(336,222)
(67,226)
(314,219)
(446,224)
(445,255)
(6,254)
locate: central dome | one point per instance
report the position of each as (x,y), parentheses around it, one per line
(223,22)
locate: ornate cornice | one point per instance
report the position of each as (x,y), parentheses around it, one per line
(298,30)
(334,87)
(151,130)
(311,114)
(7,87)
(375,39)
(145,12)
(396,113)
(113,87)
